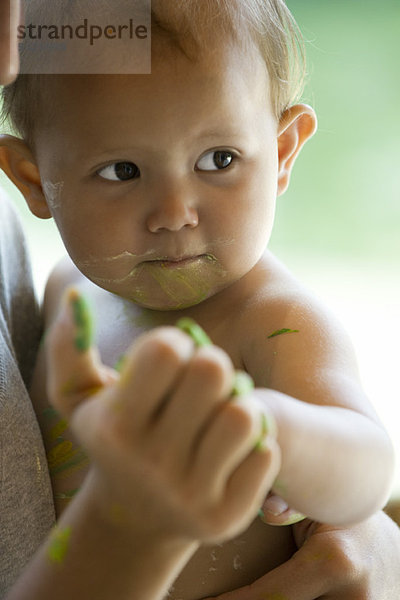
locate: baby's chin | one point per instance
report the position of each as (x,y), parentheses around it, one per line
(151,285)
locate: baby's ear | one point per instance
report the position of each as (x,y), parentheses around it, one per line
(297,124)
(19,165)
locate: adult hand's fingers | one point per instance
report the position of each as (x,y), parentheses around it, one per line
(74,367)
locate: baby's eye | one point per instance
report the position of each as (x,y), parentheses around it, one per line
(215,160)
(122,171)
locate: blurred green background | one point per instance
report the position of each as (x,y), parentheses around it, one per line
(344,200)
(338,225)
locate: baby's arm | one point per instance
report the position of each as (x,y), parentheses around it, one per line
(337,460)
(175,463)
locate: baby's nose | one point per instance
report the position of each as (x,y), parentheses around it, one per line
(173,212)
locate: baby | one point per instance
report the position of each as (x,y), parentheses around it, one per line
(163,188)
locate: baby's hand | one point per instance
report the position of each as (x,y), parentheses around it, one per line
(172,451)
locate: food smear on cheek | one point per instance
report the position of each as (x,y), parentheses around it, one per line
(53,193)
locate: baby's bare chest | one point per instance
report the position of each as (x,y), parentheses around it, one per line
(118,323)
(218,569)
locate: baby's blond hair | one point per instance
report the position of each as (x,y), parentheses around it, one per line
(192,25)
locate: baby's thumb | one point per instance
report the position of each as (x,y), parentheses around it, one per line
(276,511)
(75,371)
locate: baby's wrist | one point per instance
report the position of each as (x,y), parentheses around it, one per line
(130,526)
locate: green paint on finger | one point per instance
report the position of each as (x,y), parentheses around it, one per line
(281,331)
(197,334)
(120,363)
(260,445)
(59,541)
(242,384)
(83,323)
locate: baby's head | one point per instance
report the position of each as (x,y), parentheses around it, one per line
(163,186)
(193,27)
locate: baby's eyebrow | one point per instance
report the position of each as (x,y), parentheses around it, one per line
(218,133)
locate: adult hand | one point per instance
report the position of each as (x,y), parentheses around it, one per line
(361,562)
(9,19)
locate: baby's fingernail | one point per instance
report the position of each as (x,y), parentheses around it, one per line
(197,334)
(242,384)
(275,505)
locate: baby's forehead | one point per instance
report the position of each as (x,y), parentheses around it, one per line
(181,100)
(91,37)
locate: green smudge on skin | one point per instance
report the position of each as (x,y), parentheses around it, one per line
(58,429)
(154,285)
(264,431)
(197,334)
(120,363)
(294,518)
(51,413)
(67,495)
(281,331)
(279,487)
(242,384)
(65,456)
(59,542)
(83,323)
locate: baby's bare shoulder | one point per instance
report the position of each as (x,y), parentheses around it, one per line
(290,340)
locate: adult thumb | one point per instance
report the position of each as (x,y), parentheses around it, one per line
(296,579)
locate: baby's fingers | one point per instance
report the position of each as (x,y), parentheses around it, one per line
(74,368)
(238,460)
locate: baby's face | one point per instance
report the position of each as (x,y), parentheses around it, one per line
(163,186)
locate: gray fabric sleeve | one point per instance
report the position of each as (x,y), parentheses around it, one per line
(26,503)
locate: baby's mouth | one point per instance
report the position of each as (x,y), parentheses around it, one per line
(168,282)
(180,262)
